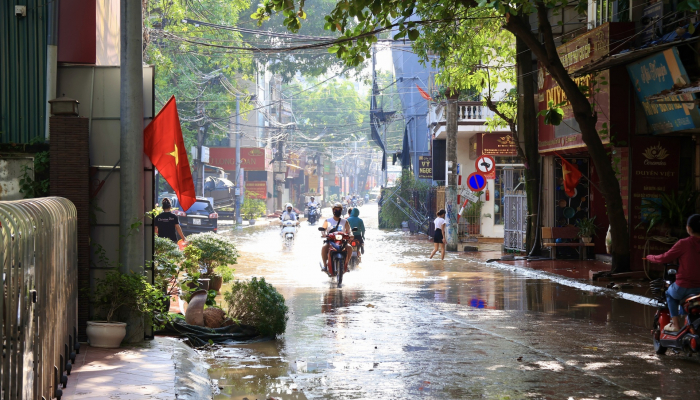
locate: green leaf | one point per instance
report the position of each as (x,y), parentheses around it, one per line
(413,34)
(334,49)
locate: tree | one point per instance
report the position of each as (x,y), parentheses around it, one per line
(203,78)
(307,63)
(442,15)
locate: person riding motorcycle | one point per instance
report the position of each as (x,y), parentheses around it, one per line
(687,252)
(356,222)
(336,224)
(289,214)
(312,203)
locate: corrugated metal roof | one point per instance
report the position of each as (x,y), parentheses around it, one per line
(23,71)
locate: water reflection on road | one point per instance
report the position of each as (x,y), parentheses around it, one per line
(405,326)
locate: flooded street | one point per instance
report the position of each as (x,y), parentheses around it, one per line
(404,326)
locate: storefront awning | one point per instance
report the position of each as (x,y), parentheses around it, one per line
(627,57)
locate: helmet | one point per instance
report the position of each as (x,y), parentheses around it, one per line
(288,205)
(337,205)
(312,197)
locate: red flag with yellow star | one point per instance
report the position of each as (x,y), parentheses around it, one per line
(163,144)
(571,176)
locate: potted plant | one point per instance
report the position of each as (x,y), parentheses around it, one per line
(217,253)
(252,207)
(669,212)
(586,229)
(168,263)
(121,292)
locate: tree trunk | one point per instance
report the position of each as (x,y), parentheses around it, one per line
(547,54)
(527,135)
(451,206)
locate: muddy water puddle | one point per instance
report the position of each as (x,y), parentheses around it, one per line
(405,326)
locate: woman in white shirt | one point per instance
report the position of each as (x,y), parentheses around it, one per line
(439,237)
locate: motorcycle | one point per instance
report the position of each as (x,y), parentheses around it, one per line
(686,340)
(289,231)
(336,254)
(355,258)
(312,215)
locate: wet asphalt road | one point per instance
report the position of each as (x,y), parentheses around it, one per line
(406,327)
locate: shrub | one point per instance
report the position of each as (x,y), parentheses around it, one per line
(217,253)
(167,260)
(393,213)
(259,304)
(118,290)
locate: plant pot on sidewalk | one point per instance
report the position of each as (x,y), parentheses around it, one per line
(251,222)
(105,334)
(215,282)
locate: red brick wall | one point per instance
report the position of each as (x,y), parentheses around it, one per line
(70,167)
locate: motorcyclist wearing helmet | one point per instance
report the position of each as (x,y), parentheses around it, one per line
(289,214)
(356,222)
(336,224)
(312,203)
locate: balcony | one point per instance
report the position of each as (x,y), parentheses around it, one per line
(471,117)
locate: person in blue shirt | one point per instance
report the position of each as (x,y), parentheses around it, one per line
(356,222)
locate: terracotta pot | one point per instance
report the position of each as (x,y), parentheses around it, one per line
(105,334)
(215,282)
(195,308)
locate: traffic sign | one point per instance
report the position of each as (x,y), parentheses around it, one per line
(486,165)
(476,182)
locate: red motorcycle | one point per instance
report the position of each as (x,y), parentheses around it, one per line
(686,340)
(337,242)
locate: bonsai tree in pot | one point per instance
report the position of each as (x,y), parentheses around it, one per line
(586,229)
(218,253)
(168,264)
(118,292)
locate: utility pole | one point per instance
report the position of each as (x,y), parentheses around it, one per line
(131,209)
(239,190)
(451,205)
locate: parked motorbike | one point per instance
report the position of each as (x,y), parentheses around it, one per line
(289,231)
(687,340)
(312,215)
(336,254)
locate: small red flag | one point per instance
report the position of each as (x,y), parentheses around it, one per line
(163,144)
(571,176)
(423,94)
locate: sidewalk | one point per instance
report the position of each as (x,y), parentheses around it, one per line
(568,272)
(159,369)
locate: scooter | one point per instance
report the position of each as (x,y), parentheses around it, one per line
(687,339)
(312,215)
(355,258)
(289,231)
(336,253)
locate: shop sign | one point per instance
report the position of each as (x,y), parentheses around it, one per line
(425,168)
(654,169)
(574,55)
(257,189)
(655,74)
(498,144)
(252,158)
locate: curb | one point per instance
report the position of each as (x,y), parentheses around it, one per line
(191,373)
(647,301)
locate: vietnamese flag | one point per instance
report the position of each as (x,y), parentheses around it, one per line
(571,176)
(423,94)
(163,144)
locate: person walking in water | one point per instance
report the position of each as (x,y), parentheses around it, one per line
(439,238)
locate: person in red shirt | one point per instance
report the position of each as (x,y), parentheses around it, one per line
(687,252)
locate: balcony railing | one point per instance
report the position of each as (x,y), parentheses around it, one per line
(466,111)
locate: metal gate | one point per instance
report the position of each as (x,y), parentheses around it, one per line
(514,213)
(39,302)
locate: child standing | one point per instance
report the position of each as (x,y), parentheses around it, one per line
(439,238)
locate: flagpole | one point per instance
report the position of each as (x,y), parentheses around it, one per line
(582,175)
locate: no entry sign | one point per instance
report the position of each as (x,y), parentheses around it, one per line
(476,182)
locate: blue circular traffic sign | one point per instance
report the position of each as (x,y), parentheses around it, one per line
(476,182)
